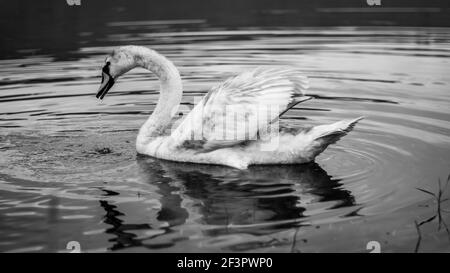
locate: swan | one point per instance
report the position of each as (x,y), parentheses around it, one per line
(235,124)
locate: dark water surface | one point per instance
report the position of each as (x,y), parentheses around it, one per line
(59,184)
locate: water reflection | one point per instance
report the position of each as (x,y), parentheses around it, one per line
(258,201)
(124,233)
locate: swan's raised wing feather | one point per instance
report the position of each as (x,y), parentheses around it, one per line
(239,108)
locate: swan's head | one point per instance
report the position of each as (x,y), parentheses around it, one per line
(118,63)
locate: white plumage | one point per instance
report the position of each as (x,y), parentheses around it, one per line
(235,124)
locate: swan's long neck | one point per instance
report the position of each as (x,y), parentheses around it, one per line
(170,93)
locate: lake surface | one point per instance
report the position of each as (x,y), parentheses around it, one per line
(69,170)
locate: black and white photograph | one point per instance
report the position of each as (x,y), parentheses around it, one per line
(227,127)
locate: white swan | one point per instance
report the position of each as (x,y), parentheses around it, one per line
(231,124)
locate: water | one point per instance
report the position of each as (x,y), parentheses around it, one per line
(69,170)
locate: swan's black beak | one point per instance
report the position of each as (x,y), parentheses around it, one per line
(107,82)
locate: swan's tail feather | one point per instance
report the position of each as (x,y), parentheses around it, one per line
(324,135)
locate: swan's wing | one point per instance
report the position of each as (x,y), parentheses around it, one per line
(240,108)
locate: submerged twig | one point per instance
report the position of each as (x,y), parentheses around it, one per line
(438,215)
(428,220)
(419,239)
(294,240)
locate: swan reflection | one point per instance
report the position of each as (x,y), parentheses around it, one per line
(221,200)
